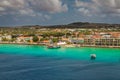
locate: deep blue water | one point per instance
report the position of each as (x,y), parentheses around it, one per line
(20,62)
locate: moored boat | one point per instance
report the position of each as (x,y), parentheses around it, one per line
(93,56)
(53,47)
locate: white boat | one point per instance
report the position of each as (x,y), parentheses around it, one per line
(93,56)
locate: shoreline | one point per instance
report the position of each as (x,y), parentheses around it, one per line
(22,43)
(66,46)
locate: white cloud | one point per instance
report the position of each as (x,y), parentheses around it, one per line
(13,7)
(30,7)
(52,6)
(100,7)
(84,11)
(2,9)
(10,4)
(47,17)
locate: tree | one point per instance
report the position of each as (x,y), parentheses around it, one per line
(35,39)
(13,39)
(58,34)
(55,40)
(42,39)
(5,39)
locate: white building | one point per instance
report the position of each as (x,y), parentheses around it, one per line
(23,39)
(106,36)
(61,43)
(9,37)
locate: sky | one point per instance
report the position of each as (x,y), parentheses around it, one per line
(58,12)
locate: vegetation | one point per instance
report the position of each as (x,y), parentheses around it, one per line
(56,33)
(35,39)
(55,40)
(5,39)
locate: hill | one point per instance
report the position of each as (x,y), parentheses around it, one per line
(86,25)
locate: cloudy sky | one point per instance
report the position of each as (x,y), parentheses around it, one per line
(54,12)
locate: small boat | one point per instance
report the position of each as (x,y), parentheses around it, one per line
(93,56)
(53,47)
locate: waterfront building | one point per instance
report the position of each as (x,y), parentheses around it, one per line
(24,39)
(9,37)
(77,40)
(45,42)
(6,38)
(61,43)
(102,42)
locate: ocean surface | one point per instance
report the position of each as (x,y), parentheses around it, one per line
(32,62)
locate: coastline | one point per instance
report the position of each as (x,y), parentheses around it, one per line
(64,46)
(22,43)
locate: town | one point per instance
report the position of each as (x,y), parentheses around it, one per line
(66,37)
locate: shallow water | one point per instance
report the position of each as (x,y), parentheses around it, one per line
(27,62)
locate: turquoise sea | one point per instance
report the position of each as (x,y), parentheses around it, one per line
(33,62)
